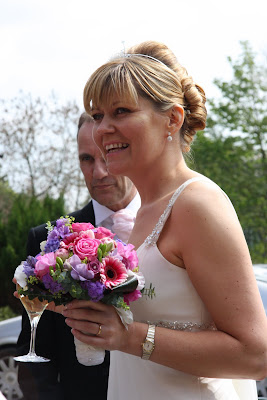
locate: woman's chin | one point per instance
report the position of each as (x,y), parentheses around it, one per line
(117,168)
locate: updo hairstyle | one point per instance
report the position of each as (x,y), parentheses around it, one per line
(164,82)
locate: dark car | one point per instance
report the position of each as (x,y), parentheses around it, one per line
(9,331)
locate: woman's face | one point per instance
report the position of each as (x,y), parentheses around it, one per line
(130,136)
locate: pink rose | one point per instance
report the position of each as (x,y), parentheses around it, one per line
(103,232)
(85,246)
(81,226)
(43,264)
(62,253)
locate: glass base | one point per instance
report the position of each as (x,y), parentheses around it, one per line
(31,358)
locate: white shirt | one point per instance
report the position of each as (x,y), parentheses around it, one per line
(103,215)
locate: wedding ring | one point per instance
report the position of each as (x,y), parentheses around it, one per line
(99,330)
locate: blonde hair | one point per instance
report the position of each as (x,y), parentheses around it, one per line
(164,82)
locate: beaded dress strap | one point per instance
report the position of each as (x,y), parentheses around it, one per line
(152,239)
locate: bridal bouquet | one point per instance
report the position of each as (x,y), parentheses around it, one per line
(80,261)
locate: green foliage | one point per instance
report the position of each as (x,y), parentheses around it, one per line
(149,292)
(6,312)
(7,196)
(25,212)
(103,250)
(233,150)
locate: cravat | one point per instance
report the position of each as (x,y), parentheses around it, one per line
(123,223)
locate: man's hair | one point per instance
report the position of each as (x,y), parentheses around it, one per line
(84,117)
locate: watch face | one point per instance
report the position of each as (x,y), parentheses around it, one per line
(148,346)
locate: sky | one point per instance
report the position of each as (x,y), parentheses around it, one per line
(54,45)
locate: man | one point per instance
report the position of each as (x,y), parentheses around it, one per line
(64,378)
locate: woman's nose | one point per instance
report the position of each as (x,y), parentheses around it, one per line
(105,125)
(100,169)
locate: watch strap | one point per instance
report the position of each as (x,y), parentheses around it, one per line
(150,337)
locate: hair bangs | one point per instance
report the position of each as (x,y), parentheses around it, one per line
(111,80)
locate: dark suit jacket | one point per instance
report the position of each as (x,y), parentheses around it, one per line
(63,378)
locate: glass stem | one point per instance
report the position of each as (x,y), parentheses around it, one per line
(34,322)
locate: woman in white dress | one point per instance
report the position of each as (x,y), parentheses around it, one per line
(204,334)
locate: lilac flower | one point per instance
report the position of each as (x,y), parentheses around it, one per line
(95,289)
(81,272)
(31,261)
(28,266)
(51,285)
(63,231)
(61,222)
(53,234)
(51,245)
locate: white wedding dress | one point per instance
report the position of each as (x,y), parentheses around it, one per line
(175,306)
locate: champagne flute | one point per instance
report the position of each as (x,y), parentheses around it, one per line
(35,309)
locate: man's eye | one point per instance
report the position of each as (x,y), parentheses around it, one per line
(86,158)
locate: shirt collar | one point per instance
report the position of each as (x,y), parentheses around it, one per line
(102,212)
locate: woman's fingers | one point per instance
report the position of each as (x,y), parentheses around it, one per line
(52,307)
(83,314)
(85,304)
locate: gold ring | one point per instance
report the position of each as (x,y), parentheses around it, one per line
(99,330)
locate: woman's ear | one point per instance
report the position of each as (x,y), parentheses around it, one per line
(176,118)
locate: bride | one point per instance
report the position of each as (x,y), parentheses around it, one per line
(204,334)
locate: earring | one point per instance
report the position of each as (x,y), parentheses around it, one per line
(169,138)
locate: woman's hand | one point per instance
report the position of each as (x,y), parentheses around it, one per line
(96,324)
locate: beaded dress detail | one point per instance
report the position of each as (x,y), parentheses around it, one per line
(176,305)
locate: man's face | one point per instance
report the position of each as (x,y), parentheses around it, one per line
(114,192)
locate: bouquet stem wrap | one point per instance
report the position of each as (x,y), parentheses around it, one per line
(89,355)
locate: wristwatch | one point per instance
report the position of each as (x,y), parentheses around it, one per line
(149,343)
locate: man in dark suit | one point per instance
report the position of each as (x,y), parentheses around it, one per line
(64,378)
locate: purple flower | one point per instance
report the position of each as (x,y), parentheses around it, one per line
(95,289)
(28,271)
(51,245)
(63,231)
(31,261)
(80,271)
(51,285)
(29,265)
(53,234)
(61,222)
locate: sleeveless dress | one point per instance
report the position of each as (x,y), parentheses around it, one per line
(176,305)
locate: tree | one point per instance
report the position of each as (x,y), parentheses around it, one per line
(39,150)
(233,149)
(7,196)
(25,212)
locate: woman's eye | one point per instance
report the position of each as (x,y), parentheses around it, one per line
(97,116)
(122,110)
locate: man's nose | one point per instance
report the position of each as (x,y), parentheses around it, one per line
(100,169)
